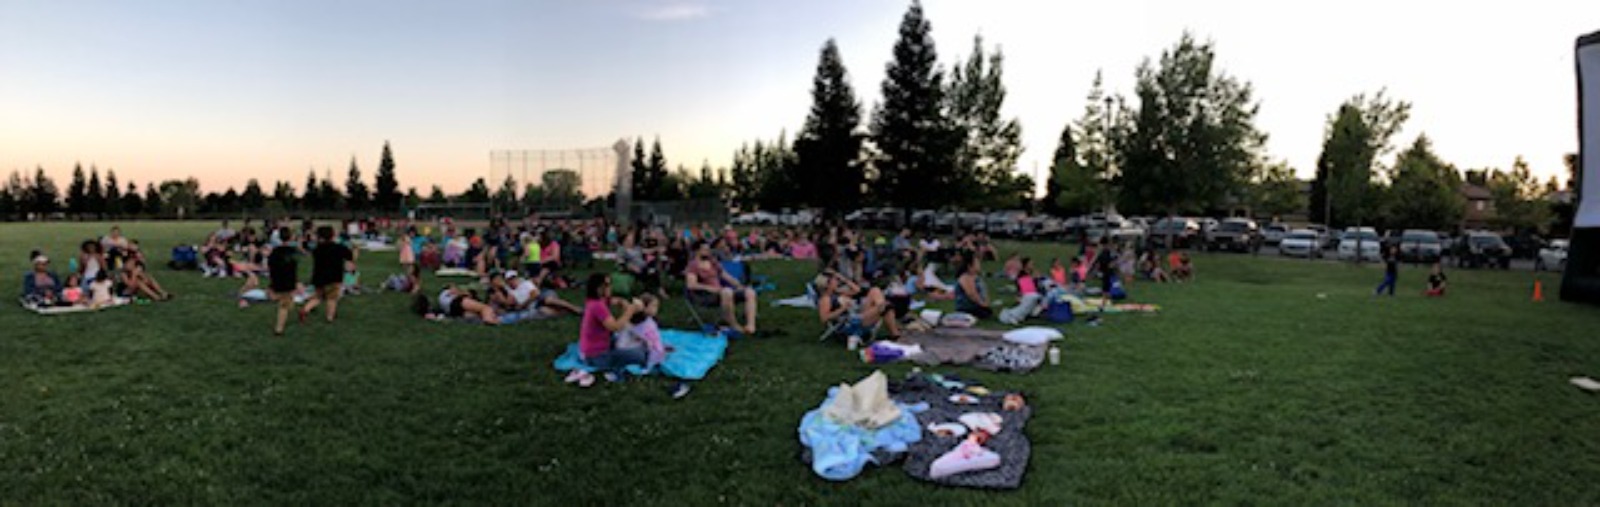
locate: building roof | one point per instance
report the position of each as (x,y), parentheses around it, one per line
(1475,192)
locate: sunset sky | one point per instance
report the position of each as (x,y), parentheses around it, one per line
(230,90)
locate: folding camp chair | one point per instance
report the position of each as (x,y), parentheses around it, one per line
(737,269)
(846,324)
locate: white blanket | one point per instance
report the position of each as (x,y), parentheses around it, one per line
(62,310)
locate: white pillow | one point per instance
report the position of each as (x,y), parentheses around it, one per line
(1032,335)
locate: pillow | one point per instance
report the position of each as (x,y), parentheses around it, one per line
(1032,335)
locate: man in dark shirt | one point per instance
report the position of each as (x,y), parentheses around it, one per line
(1391,271)
(283,269)
(327,273)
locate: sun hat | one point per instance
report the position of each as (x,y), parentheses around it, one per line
(41,259)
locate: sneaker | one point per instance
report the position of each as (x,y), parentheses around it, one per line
(586,380)
(680,391)
(573,376)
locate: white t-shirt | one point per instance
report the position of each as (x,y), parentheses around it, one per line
(930,245)
(446,297)
(524,291)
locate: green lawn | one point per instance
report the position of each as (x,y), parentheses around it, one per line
(1247,388)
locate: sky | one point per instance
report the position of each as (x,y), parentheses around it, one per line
(225,91)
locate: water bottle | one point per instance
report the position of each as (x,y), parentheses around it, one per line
(854,342)
(1055,355)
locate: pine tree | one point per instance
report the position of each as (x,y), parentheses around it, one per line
(386,198)
(11,196)
(331,198)
(44,197)
(478,192)
(640,172)
(113,195)
(94,198)
(990,147)
(153,204)
(1061,167)
(311,195)
(132,202)
(77,202)
(283,193)
(828,172)
(505,199)
(916,142)
(436,196)
(253,199)
(355,190)
(656,175)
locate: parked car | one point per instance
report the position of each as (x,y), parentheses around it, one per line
(1483,249)
(1273,233)
(756,218)
(798,218)
(1328,238)
(1180,231)
(1234,234)
(1418,245)
(1113,227)
(1007,223)
(923,219)
(1552,257)
(1360,243)
(1300,243)
(1044,227)
(970,221)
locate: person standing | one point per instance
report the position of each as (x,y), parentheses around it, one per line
(283,269)
(1391,271)
(327,273)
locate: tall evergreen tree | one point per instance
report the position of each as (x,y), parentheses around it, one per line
(113,195)
(640,172)
(132,202)
(11,196)
(311,195)
(386,195)
(44,197)
(656,175)
(153,204)
(355,190)
(77,203)
(991,145)
(283,193)
(331,198)
(253,199)
(478,192)
(828,172)
(94,198)
(1062,166)
(505,199)
(915,140)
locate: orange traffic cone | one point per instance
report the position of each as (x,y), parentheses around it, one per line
(1538,291)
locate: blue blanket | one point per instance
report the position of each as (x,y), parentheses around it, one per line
(694,355)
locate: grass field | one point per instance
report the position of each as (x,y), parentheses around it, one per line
(1247,388)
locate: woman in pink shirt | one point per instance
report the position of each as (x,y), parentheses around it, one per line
(594,337)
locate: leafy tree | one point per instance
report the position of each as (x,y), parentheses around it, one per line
(828,171)
(532,196)
(656,185)
(113,194)
(1571,161)
(436,196)
(1064,161)
(562,188)
(11,195)
(478,192)
(745,189)
(356,195)
(253,199)
(915,141)
(132,202)
(386,195)
(94,198)
(1276,191)
(1358,133)
(991,145)
(77,203)
(1518,202)
(153,204)
(283,194)
(181,197)
(311,195)
(1193,141)
(1424,191)
(412,199)
(331,198)
(705,186)
(639,170)
(1086,174)
(230,201)
(505,199)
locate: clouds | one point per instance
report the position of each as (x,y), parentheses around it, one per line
(672,11)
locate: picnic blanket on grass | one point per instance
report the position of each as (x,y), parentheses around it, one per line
(981,348)
(1011,443)
(695,355)
(464,272)
(64,310)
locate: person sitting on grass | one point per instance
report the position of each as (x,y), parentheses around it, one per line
(1182,267)
(971,295)
(91,260)
(100,290)
(1437,281)
(709,285)
(328,260)
(456,302)
(72,292)
(137,281)
(1151,269)
(526,295)
(1028,295)
(595,346)
(41,286)
(928,282)
(875,308)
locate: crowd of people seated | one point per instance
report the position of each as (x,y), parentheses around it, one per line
(104,269)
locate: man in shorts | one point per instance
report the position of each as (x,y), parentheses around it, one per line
(283,269)
(709,285)
(327,273)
